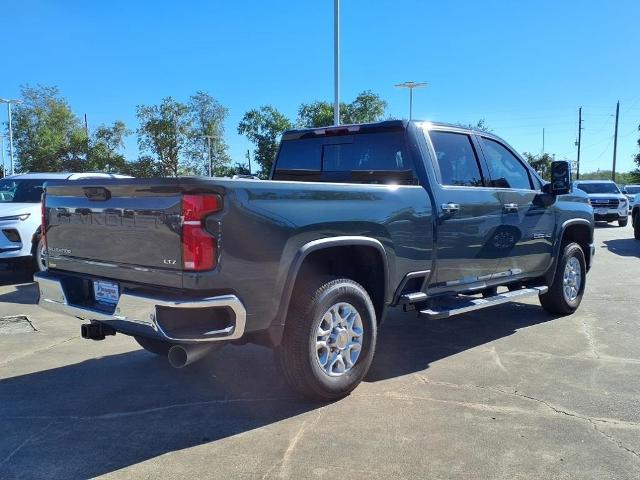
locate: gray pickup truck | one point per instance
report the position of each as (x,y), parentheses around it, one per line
(355,220)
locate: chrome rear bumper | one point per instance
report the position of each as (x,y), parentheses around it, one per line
(138,315)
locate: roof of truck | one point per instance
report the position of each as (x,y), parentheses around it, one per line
(64,175)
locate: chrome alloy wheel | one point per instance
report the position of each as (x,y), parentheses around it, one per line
(572,280)
(42,257)
(339,339)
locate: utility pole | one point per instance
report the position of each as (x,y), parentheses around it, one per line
(615,143)
(249,160)
(579,142)
(411,85)
(4,168)
(336,62)
(209,137)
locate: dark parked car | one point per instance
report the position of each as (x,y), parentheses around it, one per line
(355,220)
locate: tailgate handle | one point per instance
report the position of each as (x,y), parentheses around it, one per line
(99,194)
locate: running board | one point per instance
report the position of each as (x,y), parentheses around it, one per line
(450,306)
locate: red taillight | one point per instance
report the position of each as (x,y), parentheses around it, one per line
(199,248)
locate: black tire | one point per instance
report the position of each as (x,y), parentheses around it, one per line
(555,300)
(623,222)
(298,352)
(489,292)
(636,226)
(157,347)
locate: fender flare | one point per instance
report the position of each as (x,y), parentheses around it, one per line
(320,244)
(549,276)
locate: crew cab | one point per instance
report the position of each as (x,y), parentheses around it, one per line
(609,203)
(20,240)
(355,220)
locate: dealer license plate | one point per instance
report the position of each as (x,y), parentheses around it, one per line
(106,292)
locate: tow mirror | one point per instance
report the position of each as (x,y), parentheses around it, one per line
(560,178)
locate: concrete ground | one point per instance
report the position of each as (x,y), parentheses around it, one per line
(507,393)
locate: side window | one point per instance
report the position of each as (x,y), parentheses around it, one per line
(505,169)
(457,159)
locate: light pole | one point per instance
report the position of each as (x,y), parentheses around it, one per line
(336,62)
(9,102)
(209,137)
(411,86)
(4,168)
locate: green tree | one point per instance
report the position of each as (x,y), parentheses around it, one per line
(105,147)
(263,127)
(164,133)
(207,117)
(47,136)
(367,107)
(144,167)
(541,163)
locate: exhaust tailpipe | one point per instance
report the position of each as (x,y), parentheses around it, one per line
(182,355)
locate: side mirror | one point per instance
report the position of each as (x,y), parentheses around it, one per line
(560,178)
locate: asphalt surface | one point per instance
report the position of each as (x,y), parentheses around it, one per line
(509,392)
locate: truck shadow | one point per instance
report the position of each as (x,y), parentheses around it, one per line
(625,247)
(98,416)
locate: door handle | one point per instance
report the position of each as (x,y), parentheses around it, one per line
(450,208)
(511,207)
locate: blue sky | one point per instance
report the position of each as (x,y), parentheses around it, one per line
(523,66)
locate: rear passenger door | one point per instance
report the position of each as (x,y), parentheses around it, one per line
(528,214)
(469,213)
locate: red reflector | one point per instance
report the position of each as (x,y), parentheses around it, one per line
(199,248)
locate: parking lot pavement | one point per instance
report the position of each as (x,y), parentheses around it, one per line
(504,393)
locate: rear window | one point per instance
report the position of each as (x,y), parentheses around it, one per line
(346,158)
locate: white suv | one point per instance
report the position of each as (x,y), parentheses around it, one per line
(608,202)
(20,215)
(631,191)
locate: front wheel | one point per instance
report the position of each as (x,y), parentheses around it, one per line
(40,257)
(566,291)
(623,222)
(329,339)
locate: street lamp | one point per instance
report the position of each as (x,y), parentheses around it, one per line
(411,86)
(336,62)
(4,168)
(9,102)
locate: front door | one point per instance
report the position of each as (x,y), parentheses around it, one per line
(469,214)
(528,214)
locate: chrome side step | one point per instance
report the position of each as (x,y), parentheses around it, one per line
(450,306)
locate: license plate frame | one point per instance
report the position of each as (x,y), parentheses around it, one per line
(106,292)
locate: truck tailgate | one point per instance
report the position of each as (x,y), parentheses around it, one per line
(122,229)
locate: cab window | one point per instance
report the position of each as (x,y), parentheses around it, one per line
(457,159)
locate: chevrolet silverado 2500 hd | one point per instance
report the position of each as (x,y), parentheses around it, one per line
(354,220)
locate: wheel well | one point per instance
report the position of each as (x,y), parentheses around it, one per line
(581,234)
(362,264)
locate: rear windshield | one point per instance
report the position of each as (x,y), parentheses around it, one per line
(604,187)
(20,191)
(330,158)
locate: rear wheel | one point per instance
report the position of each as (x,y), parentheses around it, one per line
(565,293)
(623,222)
(40,257)
(157,347)
(329,339)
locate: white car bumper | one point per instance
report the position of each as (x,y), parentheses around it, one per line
(16,238)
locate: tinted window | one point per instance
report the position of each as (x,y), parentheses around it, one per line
(300,154)
(505,169)
(604,187)
(377,151)
(20,191)
(456,158)
(632,190)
